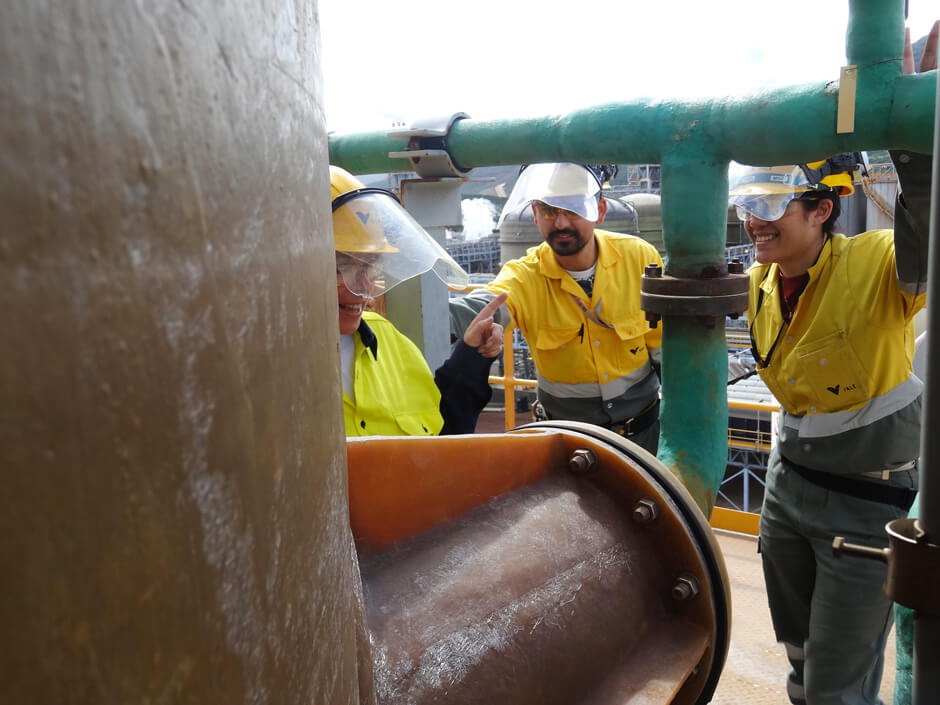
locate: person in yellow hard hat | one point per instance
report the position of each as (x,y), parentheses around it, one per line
(387,386)
(831,329)
(576,299)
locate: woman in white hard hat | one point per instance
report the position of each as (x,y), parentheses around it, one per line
(831,328)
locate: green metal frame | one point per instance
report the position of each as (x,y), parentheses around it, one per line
(694,141)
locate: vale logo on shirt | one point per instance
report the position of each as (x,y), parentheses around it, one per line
(847,388)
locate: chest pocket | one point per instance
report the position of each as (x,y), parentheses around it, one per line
(632,348)
(832,369)
(631,327)
(554,338)
(415,425)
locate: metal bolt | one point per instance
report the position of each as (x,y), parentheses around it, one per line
(645,511)
(582,461)
(840,548)
(652,318)
(653,270)
(735,266)
(686,587)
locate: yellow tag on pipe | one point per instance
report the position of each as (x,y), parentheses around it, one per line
(845,117)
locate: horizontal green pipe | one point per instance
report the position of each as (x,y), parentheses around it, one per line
(785,125)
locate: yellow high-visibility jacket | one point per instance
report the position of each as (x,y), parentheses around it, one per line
(592,354)
(842,368)
(395,392)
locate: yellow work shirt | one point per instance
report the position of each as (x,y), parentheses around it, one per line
(842,368)
(575,339)
(395,393)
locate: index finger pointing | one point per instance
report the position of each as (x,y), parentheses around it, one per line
(491,307)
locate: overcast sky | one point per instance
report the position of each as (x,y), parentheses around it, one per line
(399,61)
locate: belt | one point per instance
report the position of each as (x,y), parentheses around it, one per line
(640,422)
(900,497)
(886,473)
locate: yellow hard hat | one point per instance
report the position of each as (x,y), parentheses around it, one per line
(360,214)
(835,172)
(371,226)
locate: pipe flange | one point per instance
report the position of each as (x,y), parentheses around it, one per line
(428,150)
(716,292)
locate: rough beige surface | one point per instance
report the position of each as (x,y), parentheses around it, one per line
(173,520)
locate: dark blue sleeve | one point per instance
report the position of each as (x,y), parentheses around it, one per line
(465,389)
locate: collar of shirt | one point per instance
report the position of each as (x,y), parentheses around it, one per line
(368,338)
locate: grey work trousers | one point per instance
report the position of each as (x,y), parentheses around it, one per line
(831,613)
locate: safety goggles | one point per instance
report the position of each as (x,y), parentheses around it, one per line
(547,212)
(767,207)
(360,276)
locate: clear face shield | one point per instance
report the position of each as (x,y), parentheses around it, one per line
(379,245)
(569,187)
(764,192)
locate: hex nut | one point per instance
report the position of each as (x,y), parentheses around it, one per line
(685,588)
(646,511)
(582,461)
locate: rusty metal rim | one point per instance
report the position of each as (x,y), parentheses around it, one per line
(699,529)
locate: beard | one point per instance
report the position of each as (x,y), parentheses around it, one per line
(566,247)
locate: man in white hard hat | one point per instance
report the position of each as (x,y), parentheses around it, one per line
(576,299)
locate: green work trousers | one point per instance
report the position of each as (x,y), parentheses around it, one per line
(831,613)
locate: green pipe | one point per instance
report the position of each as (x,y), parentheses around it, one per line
(693,439)
(694,140)
(892,111)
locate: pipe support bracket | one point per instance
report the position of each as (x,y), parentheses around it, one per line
(428,150)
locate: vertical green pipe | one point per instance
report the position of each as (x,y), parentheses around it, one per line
(693,441)
(875,31)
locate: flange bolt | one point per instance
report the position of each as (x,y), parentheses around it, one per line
(686,588)
(582,461)
(645,511)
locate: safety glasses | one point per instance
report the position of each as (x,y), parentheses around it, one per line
(547,212)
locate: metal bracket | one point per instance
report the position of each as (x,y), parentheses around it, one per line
(913,565)
(427,147)
(715,293)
